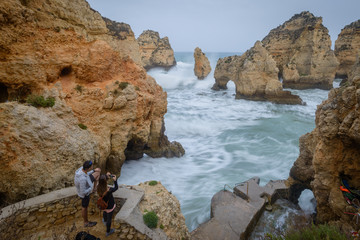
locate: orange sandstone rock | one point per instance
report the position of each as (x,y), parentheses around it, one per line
(155,51)
(301,48)
(332,150)
(202,66)
(346,48)
(255,76)
(64,49)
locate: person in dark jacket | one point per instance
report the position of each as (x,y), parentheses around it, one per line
(107,193)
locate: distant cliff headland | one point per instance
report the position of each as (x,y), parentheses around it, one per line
(74,87)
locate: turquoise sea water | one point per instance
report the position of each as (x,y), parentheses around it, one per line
(227,141)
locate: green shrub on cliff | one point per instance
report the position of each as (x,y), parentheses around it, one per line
(40,101)
(318,232)
(153,183)
(82,126)
(123,85)
(150,219)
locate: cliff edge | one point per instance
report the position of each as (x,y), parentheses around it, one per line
(106,108)
(331,152)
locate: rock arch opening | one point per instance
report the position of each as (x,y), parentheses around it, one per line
(66,71)
(307,201)
(280,76)
(4,95)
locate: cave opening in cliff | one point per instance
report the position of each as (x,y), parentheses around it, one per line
(134,149)
(66,71)
(4,95)
(280,76)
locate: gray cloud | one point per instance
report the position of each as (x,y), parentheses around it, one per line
(222,26)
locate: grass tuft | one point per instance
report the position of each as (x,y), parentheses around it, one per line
(310,233)
(40,101)
(123,85)
(151,219)
(153,183)
(82,126)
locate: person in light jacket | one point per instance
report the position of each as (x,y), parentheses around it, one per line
(86,180)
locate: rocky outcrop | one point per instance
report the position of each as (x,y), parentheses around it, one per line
(346,47)
(65,50)
(202,65)
(39,149)
(155,51)
(332,151)
(301,48)
(167,208)
(255,76)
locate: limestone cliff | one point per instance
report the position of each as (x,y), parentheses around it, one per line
(332,150)
(346,48)
(155,51)
(301,48)
(202,65)
(255,76)
(64,49)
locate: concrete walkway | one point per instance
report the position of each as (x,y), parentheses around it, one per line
(234,215)
(129,212)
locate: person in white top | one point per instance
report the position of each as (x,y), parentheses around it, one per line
(86,180)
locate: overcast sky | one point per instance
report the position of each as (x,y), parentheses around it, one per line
(222,26)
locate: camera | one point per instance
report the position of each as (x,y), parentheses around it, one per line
(111,176)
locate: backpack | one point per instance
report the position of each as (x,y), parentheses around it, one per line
(85,236)
(101,204)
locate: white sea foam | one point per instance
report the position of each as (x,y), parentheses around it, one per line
(226,140)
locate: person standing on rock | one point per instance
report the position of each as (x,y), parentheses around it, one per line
(107,195)
(86,180)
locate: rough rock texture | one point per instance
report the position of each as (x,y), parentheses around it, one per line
(202,65)
(167,208)
(255,76)
(346,47)
(332,150)
(155,51)
(301,48)
(39,149)
(63,49)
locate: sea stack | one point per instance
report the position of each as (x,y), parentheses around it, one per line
(346,47)
(102,104)
(255,76)
(331,153)
(301,48)
(202,66)
(155,51)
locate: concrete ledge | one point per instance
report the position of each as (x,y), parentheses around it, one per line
(131,214)
(234,215)
(38,200)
